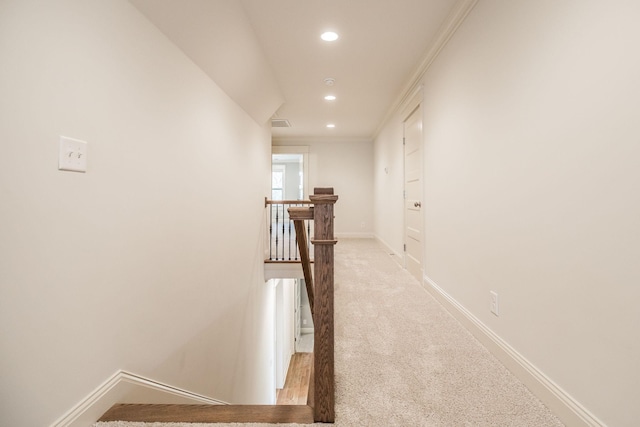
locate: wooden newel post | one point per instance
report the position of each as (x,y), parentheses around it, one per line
(324,378)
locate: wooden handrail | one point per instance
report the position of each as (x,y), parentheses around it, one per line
(286,202)
(299,215)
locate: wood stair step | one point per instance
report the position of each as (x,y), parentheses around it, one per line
(164,413)
(296,385)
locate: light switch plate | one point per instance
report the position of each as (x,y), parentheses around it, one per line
(72,155)
(493,303)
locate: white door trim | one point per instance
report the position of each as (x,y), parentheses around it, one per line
(412,106)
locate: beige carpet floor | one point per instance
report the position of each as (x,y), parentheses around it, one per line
(403,360)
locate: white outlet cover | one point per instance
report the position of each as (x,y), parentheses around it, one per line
(72,155)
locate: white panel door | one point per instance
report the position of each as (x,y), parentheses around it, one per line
(413,193)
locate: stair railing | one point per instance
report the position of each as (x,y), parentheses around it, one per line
(320,405)
(321,296)
(299,215)
(282,235)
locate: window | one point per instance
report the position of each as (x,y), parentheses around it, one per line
(277,182)
(294,161)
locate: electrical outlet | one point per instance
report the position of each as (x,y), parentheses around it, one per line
(493,303)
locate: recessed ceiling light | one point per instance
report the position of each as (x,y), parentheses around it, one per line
(331,125)
(329,36)
(329,81)
(330,98)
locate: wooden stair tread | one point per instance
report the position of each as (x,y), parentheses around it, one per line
(291,405)
(296,385)
(168,413)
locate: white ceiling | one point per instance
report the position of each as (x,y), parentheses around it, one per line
(268,56)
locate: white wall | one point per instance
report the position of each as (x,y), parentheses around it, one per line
(284,336)
(347,167)
(532,176)
(247,77)
(306,318)
(388,178)
(148,262)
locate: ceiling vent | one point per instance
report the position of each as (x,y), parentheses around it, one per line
(280,123)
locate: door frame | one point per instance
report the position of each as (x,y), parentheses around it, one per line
(296,149)
(411,105)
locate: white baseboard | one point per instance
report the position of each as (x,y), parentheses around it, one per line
(365,235)
(565,407)
(125,387)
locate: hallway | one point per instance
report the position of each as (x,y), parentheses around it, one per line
(402,360)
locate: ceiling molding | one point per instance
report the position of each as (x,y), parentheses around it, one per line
(446,31)
(411,103)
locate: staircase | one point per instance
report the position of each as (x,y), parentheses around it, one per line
(317,402)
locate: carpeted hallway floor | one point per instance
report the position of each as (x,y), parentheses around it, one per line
(402,360)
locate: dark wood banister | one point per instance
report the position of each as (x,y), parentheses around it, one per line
(323,341)
(299,215)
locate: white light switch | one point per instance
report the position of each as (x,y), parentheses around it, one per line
(73,155)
